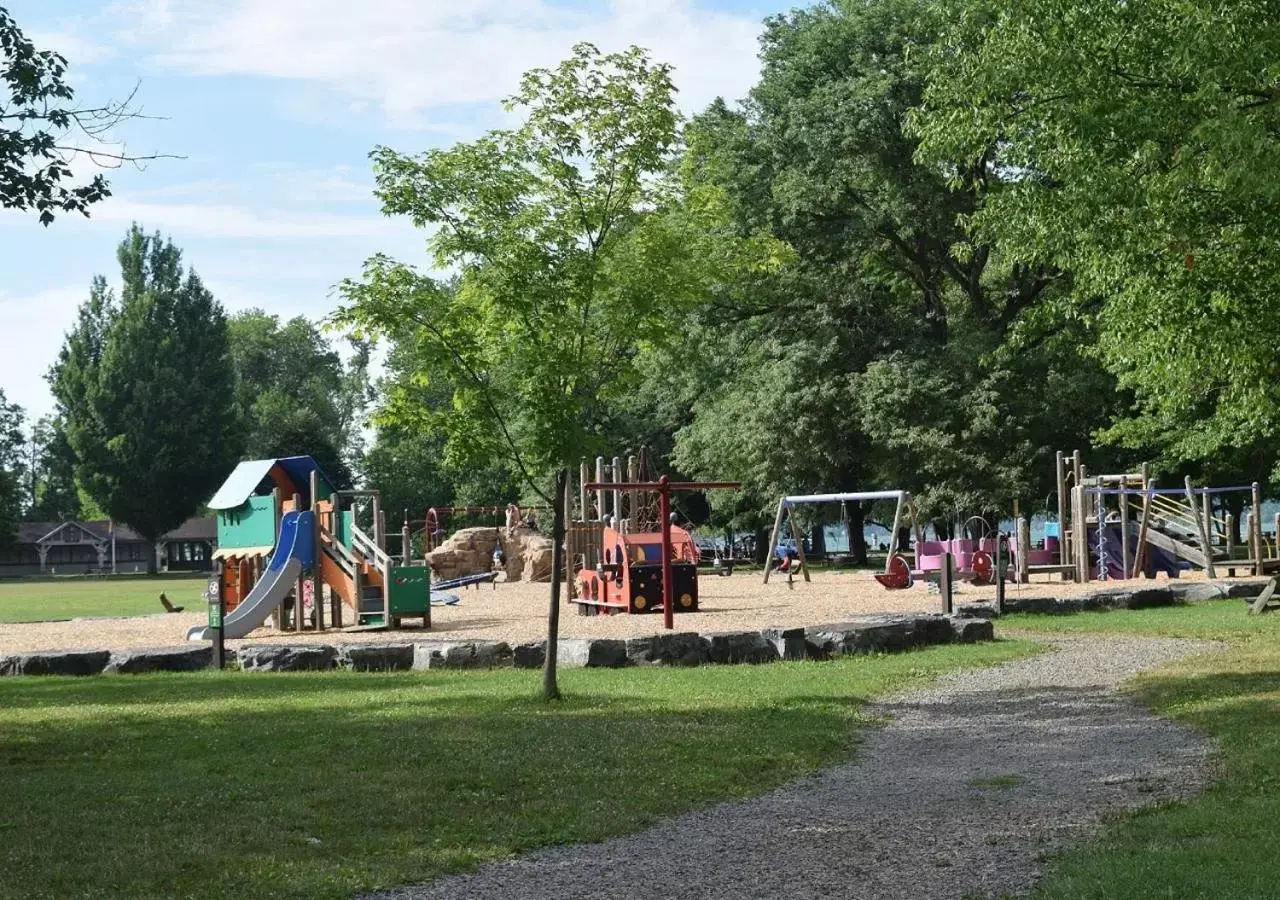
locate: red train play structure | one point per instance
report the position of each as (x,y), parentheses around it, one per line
(629,575)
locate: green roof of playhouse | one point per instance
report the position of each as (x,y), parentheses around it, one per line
(292,471)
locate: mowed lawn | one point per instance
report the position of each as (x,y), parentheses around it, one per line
(219,784)
(1220,844)
(76,597)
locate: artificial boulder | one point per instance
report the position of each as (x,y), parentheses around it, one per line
(470,552)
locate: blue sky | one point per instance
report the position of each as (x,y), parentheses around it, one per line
(274,106)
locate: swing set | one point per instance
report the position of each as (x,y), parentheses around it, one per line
(974,560)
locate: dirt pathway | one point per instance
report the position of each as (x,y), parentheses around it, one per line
(961,795)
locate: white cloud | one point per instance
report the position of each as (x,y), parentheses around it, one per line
(221,220)
(413,56)
(37,322)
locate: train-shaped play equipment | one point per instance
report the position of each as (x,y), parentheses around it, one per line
(628,578)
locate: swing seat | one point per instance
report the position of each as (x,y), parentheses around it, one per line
(898,576)
(983,568)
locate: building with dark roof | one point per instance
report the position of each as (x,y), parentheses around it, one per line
(95,547)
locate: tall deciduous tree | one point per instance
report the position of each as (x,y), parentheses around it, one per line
(43,131)
(881,357)
(51,473)
(293,393)
(1136,144)
(573,248)
(144,385)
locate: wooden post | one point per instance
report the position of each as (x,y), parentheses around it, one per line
(1229,533)
(1124,526)
(1140,552)
(915,526)
(798,538)
(570,582)
(1079,516)
(633,496)
(1275,531)
(1002,563)
(599,517)
(378,536)
(1204,535)
(1024,548)
(584,476)
(773,539)
(617,494)
(406,540)
(893,537)
(1255,528)
(944,582)
(335,518)
(1207,503)
(1061,477)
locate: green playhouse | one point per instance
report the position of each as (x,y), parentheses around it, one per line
(288,549)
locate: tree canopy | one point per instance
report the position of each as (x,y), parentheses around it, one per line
(574,248)
(293,393)
(43,131)
(1133,145)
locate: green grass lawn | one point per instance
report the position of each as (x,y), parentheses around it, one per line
(71,598)
(1219,845)
(322,785)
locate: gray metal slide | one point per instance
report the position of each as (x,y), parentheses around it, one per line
(272,588)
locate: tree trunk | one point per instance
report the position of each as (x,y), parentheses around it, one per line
(761,547)
(153,558)
(857,534)
(550,689)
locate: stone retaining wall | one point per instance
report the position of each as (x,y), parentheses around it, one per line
(868,634)
(1128,595)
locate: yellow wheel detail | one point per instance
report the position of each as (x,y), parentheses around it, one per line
(641,603)
(686,600)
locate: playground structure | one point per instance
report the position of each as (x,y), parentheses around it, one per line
(285,540)
(1108,527)
(1118,526)
(623,553)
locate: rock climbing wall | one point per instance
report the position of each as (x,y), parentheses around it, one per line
(470,552)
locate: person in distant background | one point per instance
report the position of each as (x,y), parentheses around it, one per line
(513,518)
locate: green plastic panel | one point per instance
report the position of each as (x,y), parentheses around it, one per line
(410,590)
(252,524)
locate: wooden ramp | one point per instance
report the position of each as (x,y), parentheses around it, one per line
(1193,555)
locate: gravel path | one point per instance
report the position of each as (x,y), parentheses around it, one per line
(961,795)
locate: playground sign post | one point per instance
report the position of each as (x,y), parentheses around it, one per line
(213,594)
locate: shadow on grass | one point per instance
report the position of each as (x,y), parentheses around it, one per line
(356,783)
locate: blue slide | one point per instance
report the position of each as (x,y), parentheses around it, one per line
(295,549)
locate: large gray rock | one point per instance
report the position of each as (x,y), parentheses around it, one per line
(55,662)
(970,630)
(593,653)
(160,659)
(680,649)
(391,657)
(1242,590)
(1197,591)
(529,656)
(788,642)
(740,647)
(461,655)
(281,658)
(978,610)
